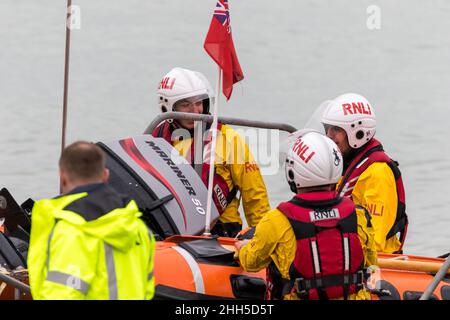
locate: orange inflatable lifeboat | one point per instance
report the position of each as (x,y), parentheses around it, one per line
(189,267)
(196,267)
(406,277)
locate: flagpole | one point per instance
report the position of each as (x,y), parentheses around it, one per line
(212,156)
(66,76)
(66,80)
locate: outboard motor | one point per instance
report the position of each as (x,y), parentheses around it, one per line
(168,191)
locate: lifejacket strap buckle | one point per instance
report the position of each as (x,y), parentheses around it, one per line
(359,279)
(302,287)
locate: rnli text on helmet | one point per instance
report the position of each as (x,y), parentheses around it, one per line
(301,149)
(167,83)
(356,108)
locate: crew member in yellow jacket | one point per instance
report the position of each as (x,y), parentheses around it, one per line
(236,171)
(89,243)
(317,245)
(371,178)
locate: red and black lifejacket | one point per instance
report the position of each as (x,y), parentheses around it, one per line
(373,152)
(329,259)
(222,195)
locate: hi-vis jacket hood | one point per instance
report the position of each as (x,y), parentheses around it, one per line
(118,227)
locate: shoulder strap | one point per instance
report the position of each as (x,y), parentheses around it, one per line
(357,163)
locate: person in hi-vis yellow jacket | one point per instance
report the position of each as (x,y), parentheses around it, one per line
(89,243)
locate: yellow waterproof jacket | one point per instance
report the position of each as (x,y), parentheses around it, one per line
(376,191)
(274,240)
(90,245)
(236,165)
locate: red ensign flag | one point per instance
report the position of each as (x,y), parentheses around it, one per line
(219,45)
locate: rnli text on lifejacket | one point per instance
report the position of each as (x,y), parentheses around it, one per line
(324,215)
(221,197)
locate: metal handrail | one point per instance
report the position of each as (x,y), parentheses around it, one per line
(15,283)
(225,120)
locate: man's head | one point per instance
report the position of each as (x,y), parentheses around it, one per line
(185,90)
(349,120)
(313,162)
(82,163)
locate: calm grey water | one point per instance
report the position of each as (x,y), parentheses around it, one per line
(294,53)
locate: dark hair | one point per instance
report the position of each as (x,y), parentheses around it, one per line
(82,160)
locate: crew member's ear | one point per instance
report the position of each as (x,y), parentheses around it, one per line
(63,181)
(105,175)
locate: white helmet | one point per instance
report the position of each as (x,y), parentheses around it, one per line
(313,160)
(353,113)
(181,84)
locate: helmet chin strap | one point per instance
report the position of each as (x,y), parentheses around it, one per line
(293,187)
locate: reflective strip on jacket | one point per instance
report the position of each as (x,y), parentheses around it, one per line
(274,240)
(236,165)
(107,258)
